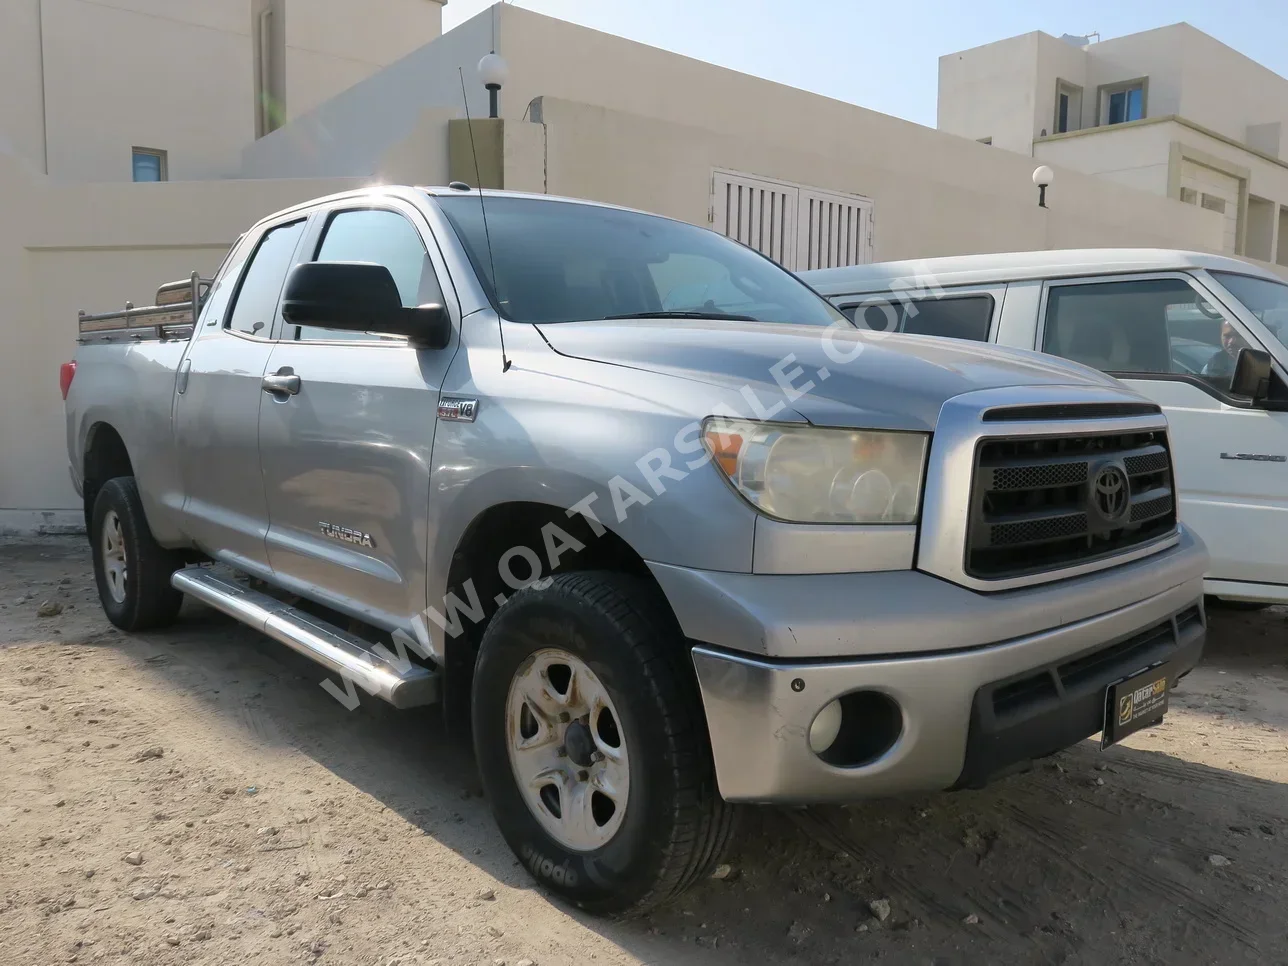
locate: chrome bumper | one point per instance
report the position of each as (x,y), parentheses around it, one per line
(759,710)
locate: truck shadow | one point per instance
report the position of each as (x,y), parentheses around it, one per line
(1089,856)
(1085,853)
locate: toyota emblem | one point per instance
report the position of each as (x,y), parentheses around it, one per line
(1110,493)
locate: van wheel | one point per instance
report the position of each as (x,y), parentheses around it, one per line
(592,746)
(132,571)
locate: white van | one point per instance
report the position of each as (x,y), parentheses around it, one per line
(1206,337)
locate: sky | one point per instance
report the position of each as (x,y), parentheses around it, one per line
(884,56)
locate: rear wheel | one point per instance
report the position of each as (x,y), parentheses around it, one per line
(592,746)
(132,571)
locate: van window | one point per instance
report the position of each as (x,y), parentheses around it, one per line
(1265,299)
(960,317)
(1155,325)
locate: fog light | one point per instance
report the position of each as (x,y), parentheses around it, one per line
(826,726)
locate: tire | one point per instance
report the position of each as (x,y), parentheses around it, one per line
(134,588)
(673,825)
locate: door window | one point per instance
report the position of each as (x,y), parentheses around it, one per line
(261,287)
(1156,325)
(383,238)
(962,317)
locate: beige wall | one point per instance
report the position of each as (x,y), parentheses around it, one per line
(1134,155)
(1004,85)
(989,92)
(92,79)
(330,46)
(1228,92)
(22,108)
(175,75)
(66,247)
(1155,155)
(933,195)
(351,134)
(1059,61)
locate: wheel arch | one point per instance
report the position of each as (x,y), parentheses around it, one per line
(105,457)
(546,530)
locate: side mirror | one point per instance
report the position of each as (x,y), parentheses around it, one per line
(360,297)
(1252,371)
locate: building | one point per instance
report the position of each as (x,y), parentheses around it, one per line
(1171,111)
(809,180)
(154,90)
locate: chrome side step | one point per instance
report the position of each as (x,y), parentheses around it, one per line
(336,650)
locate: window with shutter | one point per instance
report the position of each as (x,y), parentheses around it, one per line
(799,227)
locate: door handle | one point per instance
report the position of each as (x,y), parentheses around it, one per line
(181,381)
(284,382)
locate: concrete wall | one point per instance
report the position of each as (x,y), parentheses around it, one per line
(1155,155)
(933,195)
(331,46)
(1130,154)
(92,79)
(1228,92)
(22,105)
(1158,54)
(66,247)
(174,75)
(1002,86)
(1060,61)
(990,92)
(350,134)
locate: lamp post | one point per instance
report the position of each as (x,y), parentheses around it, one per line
(493,72)
(1042,177)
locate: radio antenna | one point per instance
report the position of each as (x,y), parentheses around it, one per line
(487,235)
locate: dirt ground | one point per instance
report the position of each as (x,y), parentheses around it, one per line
(194,796)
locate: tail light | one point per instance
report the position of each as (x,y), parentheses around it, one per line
(65,376)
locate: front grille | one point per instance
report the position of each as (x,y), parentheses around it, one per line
(1034,507)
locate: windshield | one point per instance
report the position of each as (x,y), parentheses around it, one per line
(1265,299)
(561,262)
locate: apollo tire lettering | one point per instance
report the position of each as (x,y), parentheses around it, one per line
(546,868)
(345,535)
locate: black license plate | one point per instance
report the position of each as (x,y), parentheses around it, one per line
(1135,703)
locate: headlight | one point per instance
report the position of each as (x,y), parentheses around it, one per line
(809,475)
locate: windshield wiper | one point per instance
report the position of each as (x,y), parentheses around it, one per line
(684,314)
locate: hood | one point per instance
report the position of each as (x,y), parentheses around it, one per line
(860,378)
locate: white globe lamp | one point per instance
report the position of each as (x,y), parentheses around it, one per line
(493,72)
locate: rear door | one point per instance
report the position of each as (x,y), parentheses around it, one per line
(346,459)
(1168,338)
(216,413)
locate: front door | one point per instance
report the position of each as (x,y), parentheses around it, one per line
(216,415)
(1169,340)
(346,456)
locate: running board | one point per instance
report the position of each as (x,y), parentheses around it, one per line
(336,650)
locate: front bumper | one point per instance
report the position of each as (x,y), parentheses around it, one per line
(967,713)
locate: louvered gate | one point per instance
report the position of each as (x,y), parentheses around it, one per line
(799,227)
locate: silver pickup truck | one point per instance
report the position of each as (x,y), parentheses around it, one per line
(641,508)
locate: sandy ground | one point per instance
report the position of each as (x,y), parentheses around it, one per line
(272,826)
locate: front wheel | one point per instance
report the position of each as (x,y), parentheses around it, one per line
(132,570)
(592,746)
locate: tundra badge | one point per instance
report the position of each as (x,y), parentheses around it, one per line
(345,535)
